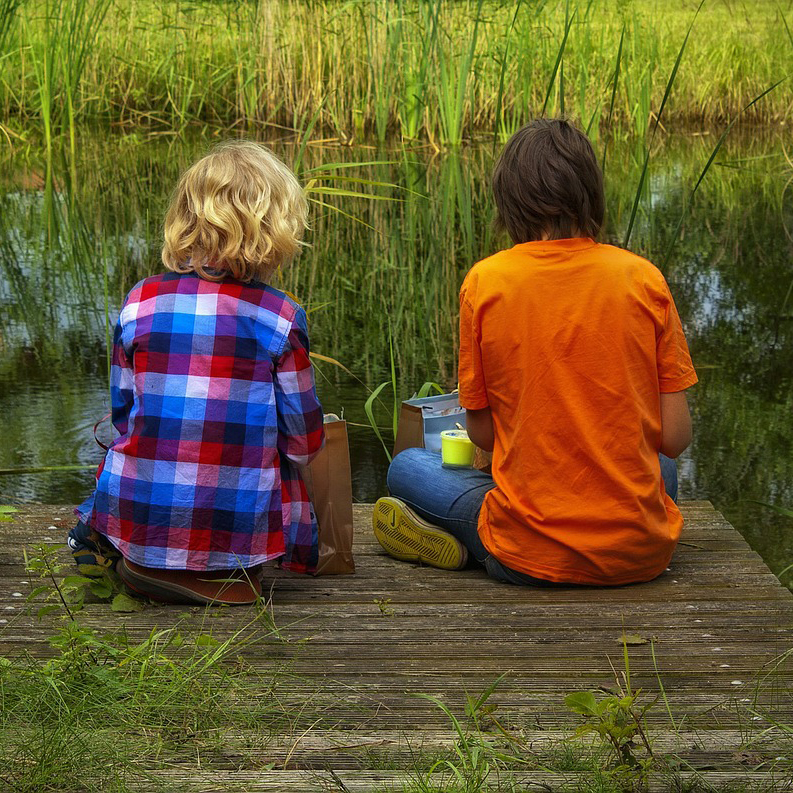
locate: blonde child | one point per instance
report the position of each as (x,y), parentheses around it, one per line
(212,395)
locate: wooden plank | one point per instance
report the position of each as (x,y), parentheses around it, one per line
(356,649)
(360,781)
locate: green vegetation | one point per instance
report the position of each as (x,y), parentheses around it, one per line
(98,713)
(434,70)
(104,710)
(122,710)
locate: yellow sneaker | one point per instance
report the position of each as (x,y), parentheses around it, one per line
(408,537)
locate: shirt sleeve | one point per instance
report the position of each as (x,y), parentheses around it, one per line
(675,369)
(121,382)
(300,430)
(473,394)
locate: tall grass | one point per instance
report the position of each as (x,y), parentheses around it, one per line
(60,39)
(441,70)
(453,84)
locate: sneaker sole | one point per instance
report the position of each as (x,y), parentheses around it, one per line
(406,536)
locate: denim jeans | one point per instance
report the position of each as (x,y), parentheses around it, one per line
(452,498)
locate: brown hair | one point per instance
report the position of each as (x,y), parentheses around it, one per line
(547,182)
(238,211)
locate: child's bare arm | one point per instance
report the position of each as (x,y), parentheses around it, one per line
(675,424)
(479,424)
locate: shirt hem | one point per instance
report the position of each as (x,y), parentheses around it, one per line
(563,577)
(250,561)
(678,384)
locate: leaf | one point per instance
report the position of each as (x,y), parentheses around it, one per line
(559,56)
(91,569)
(331,165)
(341,212)
(582,702)
(39,590)
(632,639)
(49,609)
(369,410)
(76,581)
(327,359)
(124,604)
(350,194)
(101,589)
(616,80)
(712,157)
(5,509)
(428,388)
(205,640)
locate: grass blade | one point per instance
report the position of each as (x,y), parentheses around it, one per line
(636,199)
(712,157)
(500,95)
(307,136)
(327,359)
(369,410)
(788,513)
(787,27)
(615,82)
(394,383)
(673,75)
(428,387)
(559,56)
(669,84)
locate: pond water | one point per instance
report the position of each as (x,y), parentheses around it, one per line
(380,280)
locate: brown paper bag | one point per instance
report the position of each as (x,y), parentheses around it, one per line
(410,430)
(329,483)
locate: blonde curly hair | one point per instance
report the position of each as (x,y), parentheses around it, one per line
(238,211)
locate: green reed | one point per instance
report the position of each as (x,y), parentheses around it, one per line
(8,11)
(453,85)
(670,83)
(59,56)
(392,235)
(436,69)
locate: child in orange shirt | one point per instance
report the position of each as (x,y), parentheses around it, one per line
(573,369)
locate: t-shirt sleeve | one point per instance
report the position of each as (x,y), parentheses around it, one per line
(675,369)
(473,394)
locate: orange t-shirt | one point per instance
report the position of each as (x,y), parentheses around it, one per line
(570,343)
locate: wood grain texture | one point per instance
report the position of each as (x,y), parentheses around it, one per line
(718,628)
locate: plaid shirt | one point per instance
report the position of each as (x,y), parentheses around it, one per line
(213,397)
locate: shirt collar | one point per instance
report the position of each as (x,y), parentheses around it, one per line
(567,245)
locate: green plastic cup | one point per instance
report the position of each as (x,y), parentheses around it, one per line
(457,450)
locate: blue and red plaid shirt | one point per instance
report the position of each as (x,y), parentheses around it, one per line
(213,397)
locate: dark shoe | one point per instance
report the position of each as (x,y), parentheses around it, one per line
(91,551)
(232,587)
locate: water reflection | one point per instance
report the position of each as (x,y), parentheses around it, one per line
(71,246)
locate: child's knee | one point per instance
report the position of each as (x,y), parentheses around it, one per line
(409,464)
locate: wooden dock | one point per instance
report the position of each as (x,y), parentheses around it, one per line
(710,636)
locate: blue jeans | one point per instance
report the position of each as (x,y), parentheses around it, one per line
(452,499)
